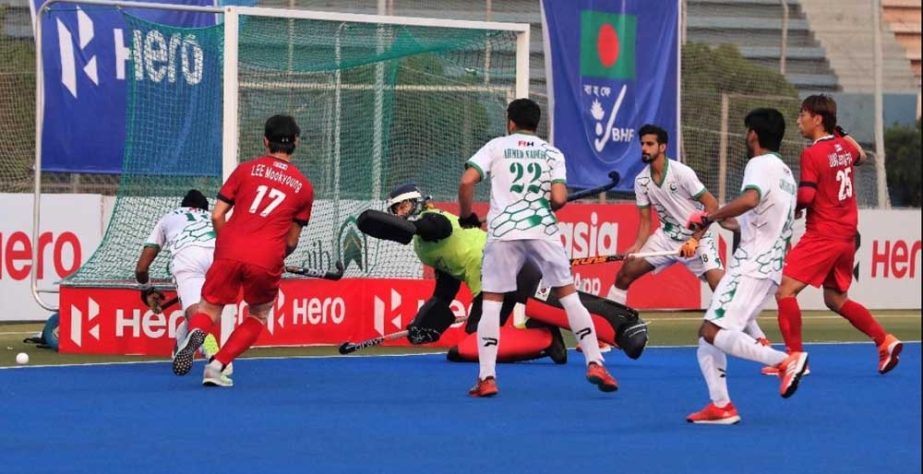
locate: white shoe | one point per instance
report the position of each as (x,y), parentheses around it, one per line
(212,377)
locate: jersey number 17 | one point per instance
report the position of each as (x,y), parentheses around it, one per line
(274,194)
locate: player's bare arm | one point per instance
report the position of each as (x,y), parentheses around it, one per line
(148,254)
(749,199)
(219,215)
(644,229)
(558,196)
(469,179)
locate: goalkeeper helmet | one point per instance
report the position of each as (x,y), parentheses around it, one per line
(407,192)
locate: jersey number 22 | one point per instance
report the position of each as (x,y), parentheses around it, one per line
(274,194)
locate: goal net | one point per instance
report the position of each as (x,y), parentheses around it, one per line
(380,101)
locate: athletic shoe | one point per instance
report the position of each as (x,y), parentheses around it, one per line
(182,362)
(774,371)
(790,371)
(557,351)
(210,348)
(712,415)
(599,376)
(484,388)
(212,377)
(889,354)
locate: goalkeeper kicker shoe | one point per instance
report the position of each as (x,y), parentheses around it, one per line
(484,388)
(215,376)
(182,361)
(790,372)
(599,376)
(713,415)
(889,354)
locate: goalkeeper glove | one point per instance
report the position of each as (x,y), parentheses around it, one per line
(698,220)
(472,221)
(689,247)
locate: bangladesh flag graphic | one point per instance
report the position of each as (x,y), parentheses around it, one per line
(607,45)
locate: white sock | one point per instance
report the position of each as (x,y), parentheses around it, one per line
(582,326)
(754,330)
(489,338)
(738,344)
(617,295)
(713,364)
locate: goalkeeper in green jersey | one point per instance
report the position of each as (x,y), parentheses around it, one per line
(455,253)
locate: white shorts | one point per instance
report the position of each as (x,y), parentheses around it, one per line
(504,258)
(188,267)
(738,299)
(705,259)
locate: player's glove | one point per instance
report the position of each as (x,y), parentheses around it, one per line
(840,132)
(152,298)
(472,221)
(689,247)
(698,220)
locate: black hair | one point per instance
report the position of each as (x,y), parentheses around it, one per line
(281,132)
(650,129)
(769,126)
(823,105)
(194,198)
(525,113)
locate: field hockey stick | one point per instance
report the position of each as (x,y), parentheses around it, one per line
(315,273)
(349,347)
(620,257)
(613,176)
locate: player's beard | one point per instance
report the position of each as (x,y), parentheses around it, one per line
(647,159)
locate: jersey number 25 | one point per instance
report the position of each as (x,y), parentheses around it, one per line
(274,194)
(845,183)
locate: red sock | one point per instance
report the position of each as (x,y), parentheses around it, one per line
(241,339)
(790,323)
(201,321)
(863,320)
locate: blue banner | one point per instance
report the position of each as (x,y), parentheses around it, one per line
(87,51)
(612,66)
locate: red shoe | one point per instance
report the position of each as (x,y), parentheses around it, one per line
(484,388)
(774,371)
(599,376)
(790,371)
(712,415)
(889,354)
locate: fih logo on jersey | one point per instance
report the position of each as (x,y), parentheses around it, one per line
(387,312)
(69,57)
(352,245)
(607,70)
(92,311)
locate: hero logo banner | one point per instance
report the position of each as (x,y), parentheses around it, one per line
(89,55)
(601,94)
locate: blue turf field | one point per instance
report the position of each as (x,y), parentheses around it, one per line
(411,414)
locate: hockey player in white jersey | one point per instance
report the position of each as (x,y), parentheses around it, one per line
(766,210)
(674,191)
(187,233)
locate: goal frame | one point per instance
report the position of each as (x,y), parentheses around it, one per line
(230,108)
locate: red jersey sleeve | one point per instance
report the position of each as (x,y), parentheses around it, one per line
(231,187)
(809,174)
(304,214)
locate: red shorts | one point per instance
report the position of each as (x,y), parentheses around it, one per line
(226,278)
(818,261)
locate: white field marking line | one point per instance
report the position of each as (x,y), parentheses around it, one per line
(138,362)
(826,316)
(19,333)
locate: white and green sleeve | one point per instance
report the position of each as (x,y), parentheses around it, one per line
(158,237)
(482,160)
(756,178)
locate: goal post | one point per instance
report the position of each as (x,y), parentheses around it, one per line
(380,100)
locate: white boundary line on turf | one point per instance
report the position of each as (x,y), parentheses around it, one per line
(825,316)
(336,356)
